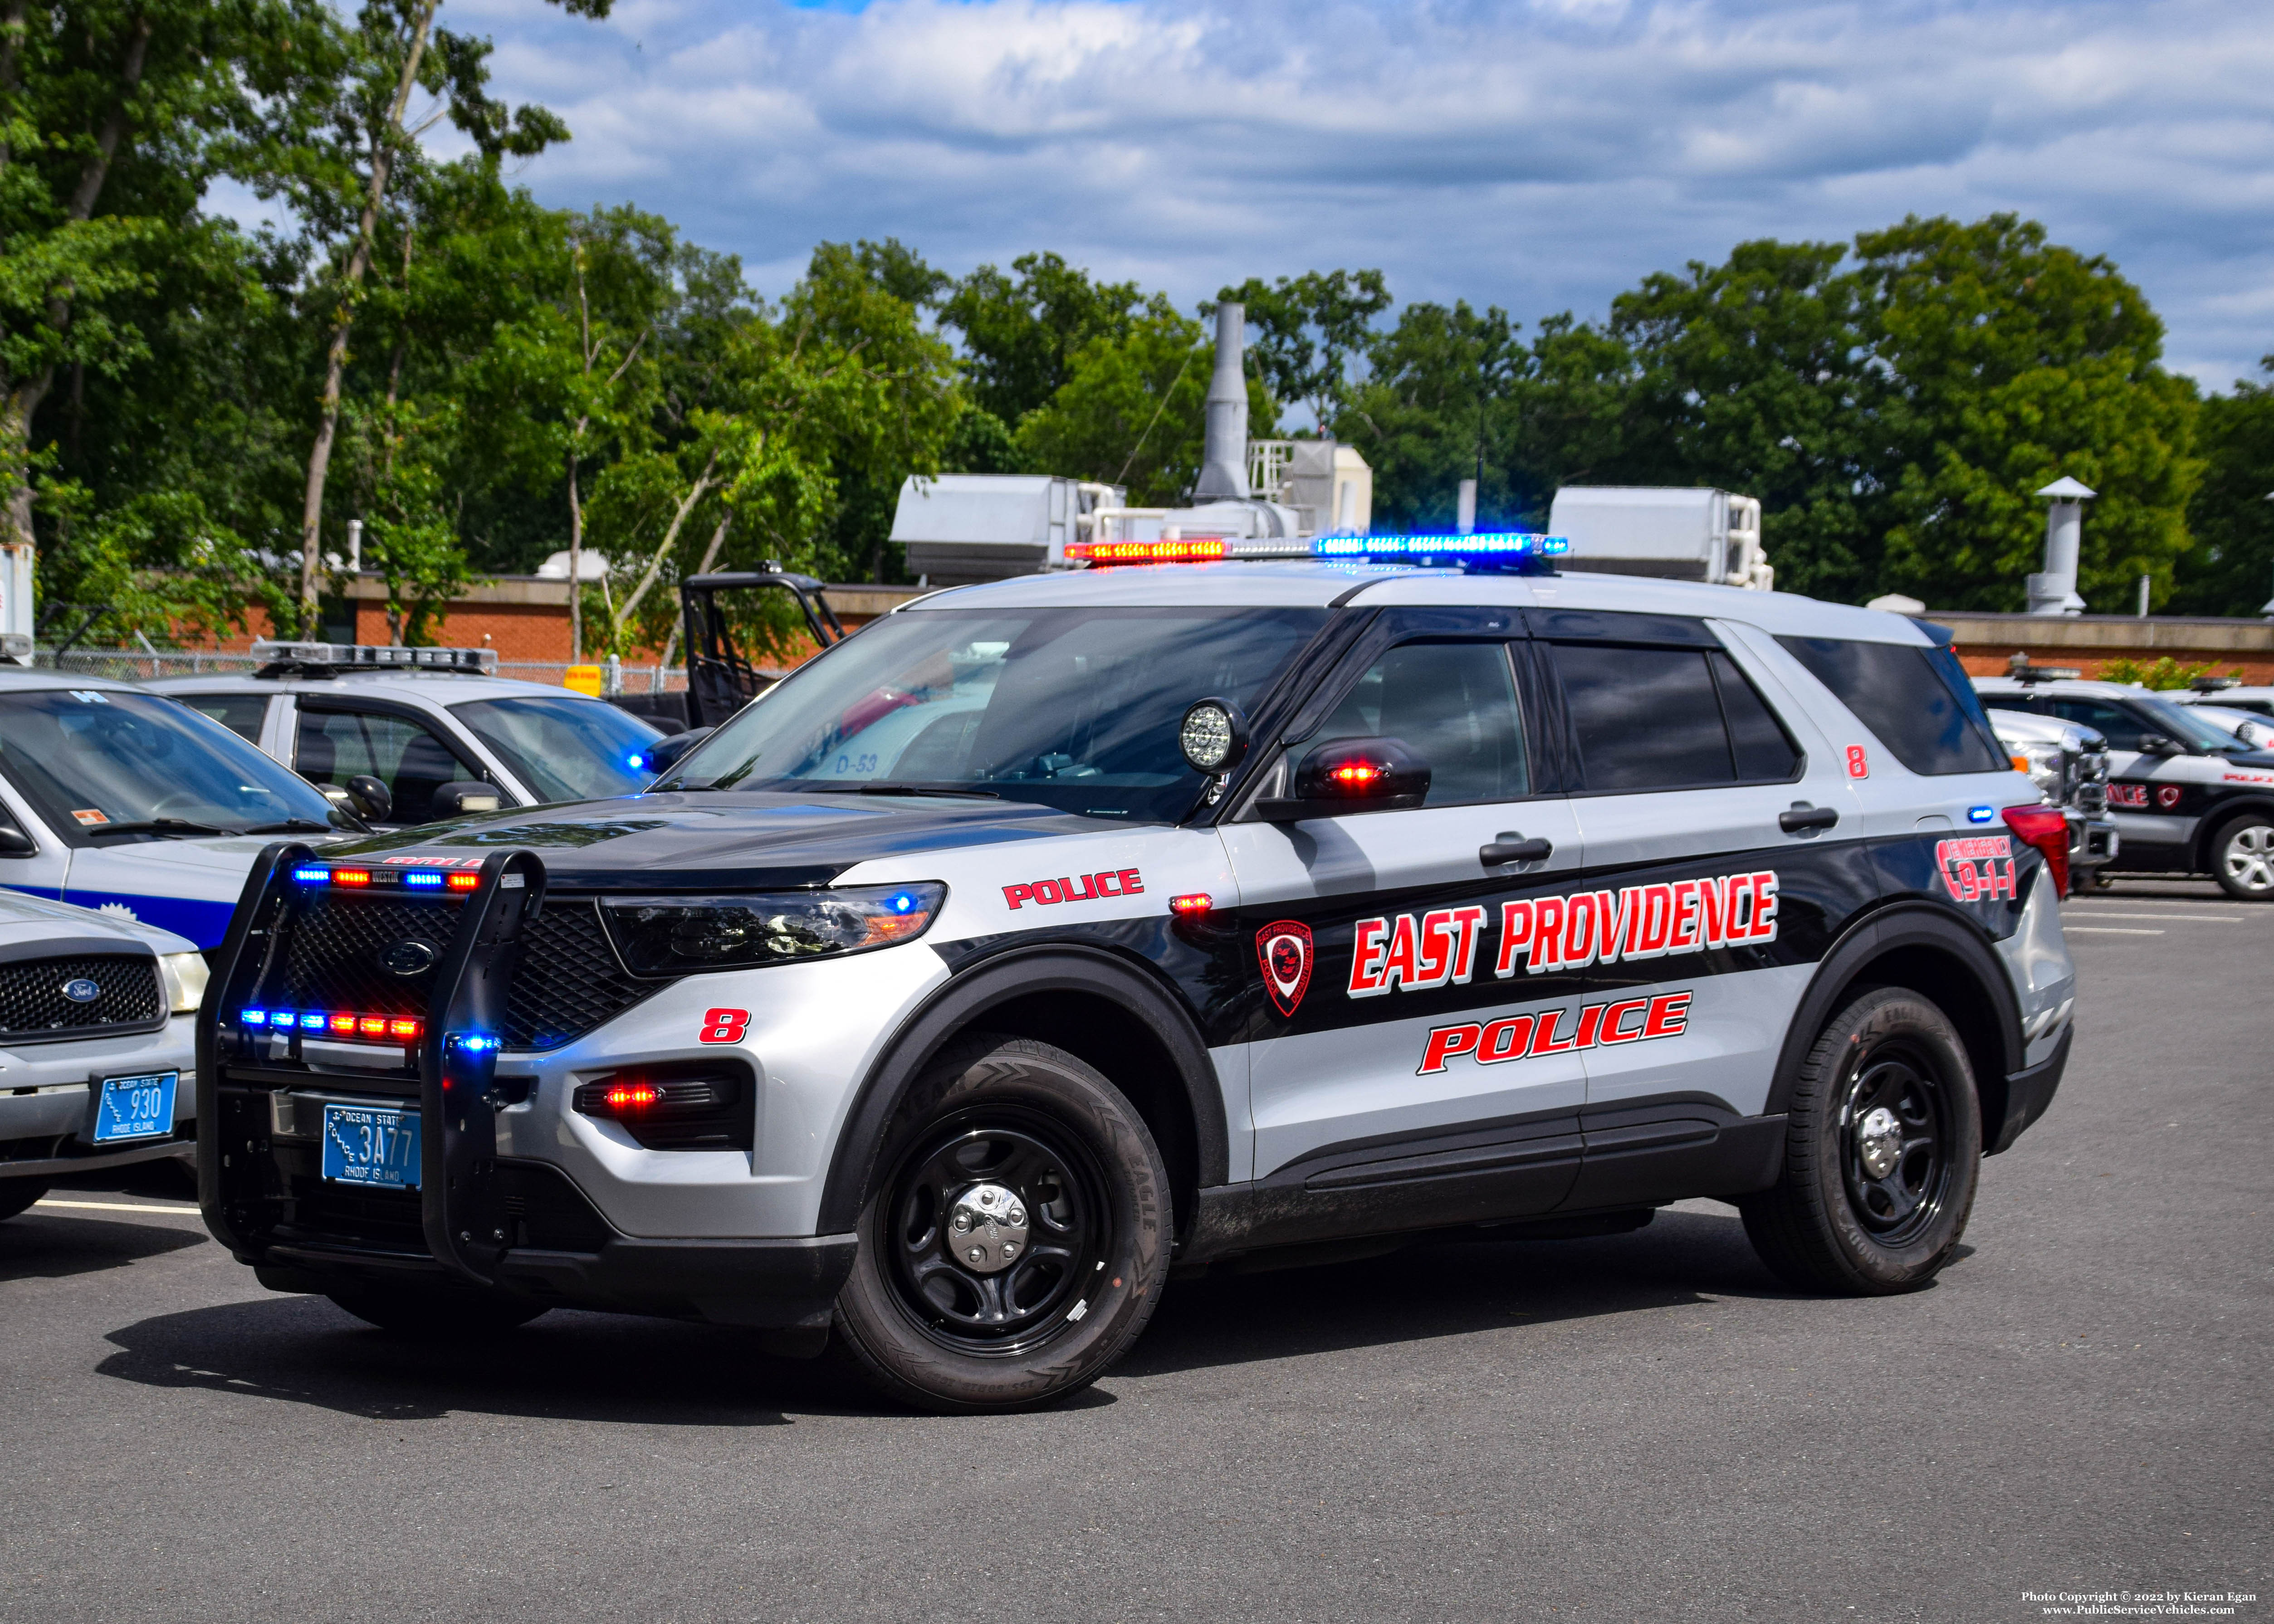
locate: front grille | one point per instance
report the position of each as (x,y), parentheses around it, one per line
(567,983)
(33,1007)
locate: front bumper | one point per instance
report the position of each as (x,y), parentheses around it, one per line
(47,1101)
(2093,842)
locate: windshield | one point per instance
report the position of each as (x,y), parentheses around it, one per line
(93,759)
(2197,730)
(564,749)
(1076,709)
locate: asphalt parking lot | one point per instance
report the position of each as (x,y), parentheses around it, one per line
(1643,1427)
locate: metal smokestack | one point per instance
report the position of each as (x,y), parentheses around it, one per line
(1223,455)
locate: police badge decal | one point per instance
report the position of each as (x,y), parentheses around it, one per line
(1284,949)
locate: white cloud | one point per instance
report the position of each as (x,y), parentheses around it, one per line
(1535,155)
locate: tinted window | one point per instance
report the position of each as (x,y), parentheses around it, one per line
(1645,719)
(1915,700)
(2124,730)
(241,713)
(565,749)
(1455,704)
(337,745)
(1758,744)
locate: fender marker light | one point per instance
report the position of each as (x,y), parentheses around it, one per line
(1191,905)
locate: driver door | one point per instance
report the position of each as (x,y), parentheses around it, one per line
(1376,936)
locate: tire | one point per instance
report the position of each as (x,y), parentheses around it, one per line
(1883,1154)
(2242,857)
(435,1315)
(1014,1126)
(18,1194)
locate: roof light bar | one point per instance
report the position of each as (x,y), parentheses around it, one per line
(1484,544)
(1522,552)
(1186,550)
(370,657)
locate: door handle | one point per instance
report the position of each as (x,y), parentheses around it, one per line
(1511,849)
(1804,817)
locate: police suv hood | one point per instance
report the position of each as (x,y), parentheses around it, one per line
(712,840)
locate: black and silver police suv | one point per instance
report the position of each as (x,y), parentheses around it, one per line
(1046,936)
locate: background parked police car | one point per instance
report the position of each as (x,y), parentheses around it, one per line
(117,798)
(1042,931)
(410,736)
(97,1044)
(2068,763)
(2189,797)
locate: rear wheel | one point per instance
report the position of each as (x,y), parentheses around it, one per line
(435,1315)
(1883,1152)
(1014,1243)
(2242,857)
(16,1194)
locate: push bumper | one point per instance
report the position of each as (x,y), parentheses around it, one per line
(2027,1094)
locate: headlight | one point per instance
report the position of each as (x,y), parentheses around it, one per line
(2043,764)
(679,935)
(184,975)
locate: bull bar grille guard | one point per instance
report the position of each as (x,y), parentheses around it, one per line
(463,1215)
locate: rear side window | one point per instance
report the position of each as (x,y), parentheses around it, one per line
(1668,719)
(1918,701)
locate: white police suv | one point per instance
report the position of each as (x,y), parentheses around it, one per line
(116,799)
(96,1047)
(1045,934)
(410,736)
(2188,796)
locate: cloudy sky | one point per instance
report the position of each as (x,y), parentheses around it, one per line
(1539,154)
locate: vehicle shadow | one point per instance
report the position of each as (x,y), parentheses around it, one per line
(613,1368)
(44,1245)
(1449,1287)
(566,1365)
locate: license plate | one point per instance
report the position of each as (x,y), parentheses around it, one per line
(135,1107)
(371,1145)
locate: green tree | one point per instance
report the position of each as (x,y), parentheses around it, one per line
(1023,331)
(2230,570)
(2011,362)
(1433,410)
(337,182)
(1305,333)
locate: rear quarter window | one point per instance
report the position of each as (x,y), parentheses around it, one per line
(1915,700)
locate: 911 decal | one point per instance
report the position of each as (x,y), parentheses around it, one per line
(1412,953)
(1978,866)
(1591,1025)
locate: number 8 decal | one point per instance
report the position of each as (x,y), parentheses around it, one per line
(1859,764)
(724,1026)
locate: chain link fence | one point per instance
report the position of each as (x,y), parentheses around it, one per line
(147,665)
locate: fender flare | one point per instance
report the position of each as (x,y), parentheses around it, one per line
(1915,923)
(963,1003)
(2217,817)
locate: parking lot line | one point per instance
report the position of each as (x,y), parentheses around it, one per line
(2185,919)
(114,1207)
(2109,930)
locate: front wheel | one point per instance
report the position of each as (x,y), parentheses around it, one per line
(2242,858)
(1014,1243)
(1883,1152)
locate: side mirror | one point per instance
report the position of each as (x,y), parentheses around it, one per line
(15,843)
(372,798)
(1352,775)
(463,795)
(2157,745)
(664,753)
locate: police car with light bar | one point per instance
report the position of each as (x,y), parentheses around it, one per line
(412,735)
(122,801)
(1047,935)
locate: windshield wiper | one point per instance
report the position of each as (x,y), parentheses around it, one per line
(289,826)
(159,826)
(914,789)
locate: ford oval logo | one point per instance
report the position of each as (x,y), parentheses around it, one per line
(408,957)
(78,989)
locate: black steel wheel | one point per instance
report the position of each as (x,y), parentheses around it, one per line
(1883,1153)
(1015,1238)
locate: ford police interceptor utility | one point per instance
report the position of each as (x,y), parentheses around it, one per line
(116,799)
(2188,796)
(1048,933)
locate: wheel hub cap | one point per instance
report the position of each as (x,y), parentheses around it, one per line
(1879,1141)
(987,1229)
